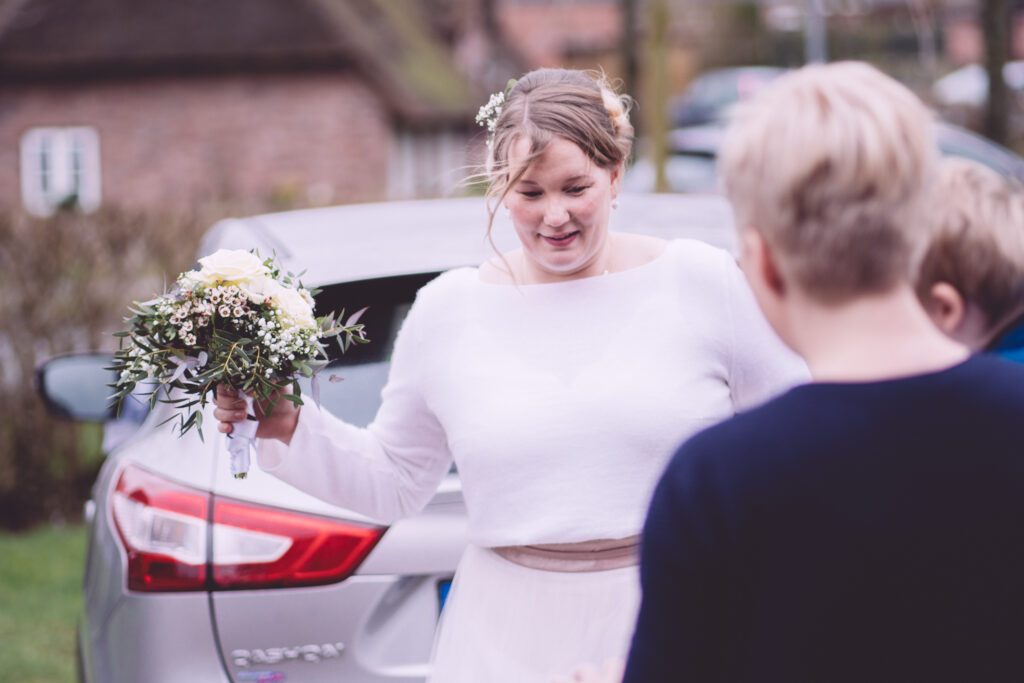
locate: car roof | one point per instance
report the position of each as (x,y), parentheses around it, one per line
(363,241)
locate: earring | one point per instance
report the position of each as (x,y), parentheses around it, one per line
(615,203)
(508,212)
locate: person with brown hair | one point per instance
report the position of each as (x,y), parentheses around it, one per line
(971,280)
(558,376)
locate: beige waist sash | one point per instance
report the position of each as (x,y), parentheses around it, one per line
(588,556)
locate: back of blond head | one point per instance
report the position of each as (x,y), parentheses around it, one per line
(832,165)
(977,242)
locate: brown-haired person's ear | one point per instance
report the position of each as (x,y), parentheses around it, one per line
(946,307)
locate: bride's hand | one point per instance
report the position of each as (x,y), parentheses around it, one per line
(280,424)
(611,673)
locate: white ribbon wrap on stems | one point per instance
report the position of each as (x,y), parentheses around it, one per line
(241,441)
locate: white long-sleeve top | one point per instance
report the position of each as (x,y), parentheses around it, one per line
(560,403)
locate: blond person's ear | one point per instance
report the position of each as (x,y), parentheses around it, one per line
(946,307)
(759,263)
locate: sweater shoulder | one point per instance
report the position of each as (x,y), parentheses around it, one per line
(700,257)
(440,300)
(700,267)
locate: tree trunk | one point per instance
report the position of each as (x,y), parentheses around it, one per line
(630,62)
(996,18)
(656,90)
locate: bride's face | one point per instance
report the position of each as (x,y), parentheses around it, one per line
(560,209)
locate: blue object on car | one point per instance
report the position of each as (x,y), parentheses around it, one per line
(1010,342)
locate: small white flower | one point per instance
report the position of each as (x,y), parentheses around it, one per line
(489,113)
(238,312)
(225,312)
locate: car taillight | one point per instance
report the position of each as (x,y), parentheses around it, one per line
(164,527)
(263,547)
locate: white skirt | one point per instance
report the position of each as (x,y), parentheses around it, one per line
(504,622)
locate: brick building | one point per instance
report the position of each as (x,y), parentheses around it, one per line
(155,104)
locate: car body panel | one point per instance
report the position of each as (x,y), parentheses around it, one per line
(377,240)
(384,616)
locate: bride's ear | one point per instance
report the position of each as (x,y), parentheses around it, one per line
(616,178)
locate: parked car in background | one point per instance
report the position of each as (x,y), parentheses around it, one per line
(968,85)
(700,114)
(192,575)
(690,166)
(709,96)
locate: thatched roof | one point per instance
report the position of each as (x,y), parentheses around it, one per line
(389,41)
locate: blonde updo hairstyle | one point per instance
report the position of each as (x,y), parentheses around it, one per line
(557,103)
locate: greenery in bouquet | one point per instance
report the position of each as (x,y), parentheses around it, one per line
(239,321)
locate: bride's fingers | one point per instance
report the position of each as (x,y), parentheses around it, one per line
(229,403)
(232,415)
(225,427)
(226,391)
(587,673)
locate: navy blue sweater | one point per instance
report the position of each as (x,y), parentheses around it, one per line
(844,532)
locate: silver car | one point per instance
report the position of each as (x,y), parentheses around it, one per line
(195,576)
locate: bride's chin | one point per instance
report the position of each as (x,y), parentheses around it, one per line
(566,268)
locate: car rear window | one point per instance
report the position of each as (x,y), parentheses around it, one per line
(350,386)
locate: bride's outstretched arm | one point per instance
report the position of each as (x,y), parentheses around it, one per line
(387,470)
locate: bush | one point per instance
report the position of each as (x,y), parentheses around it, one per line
(65,282)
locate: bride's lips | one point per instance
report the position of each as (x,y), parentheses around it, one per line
(561,240)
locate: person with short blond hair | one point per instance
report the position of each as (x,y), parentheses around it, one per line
(971,279)
(843,206)
(865,526)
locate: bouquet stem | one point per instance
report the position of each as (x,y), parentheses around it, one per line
(241,441)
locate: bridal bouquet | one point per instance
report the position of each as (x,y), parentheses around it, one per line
(237,321)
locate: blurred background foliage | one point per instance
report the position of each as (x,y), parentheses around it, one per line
(66,281)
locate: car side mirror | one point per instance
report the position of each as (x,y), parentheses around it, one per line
(75,386)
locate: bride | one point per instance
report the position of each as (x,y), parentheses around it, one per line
(560,377)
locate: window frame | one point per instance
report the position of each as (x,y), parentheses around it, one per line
(58,162)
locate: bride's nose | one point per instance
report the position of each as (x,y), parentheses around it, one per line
(555,214)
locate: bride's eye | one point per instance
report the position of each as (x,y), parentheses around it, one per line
(530,194)
(578,189)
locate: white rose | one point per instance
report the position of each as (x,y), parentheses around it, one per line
(230,266)
(293,308)
(260,289)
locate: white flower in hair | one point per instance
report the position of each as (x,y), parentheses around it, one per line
(489,113)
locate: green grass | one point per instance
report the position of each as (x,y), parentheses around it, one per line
(40,600)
